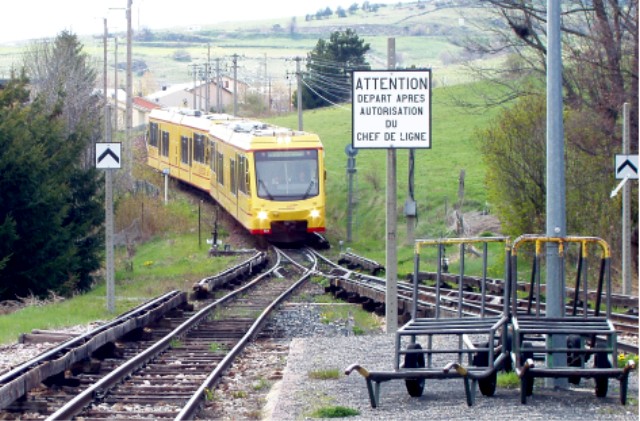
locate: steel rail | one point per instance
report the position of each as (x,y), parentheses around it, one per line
(29,374)
(626,324)
(86,397)
(191,407)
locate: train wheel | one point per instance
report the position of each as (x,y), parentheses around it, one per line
(602,383)
(415,387)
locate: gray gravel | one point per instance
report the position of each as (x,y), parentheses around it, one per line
(321,347)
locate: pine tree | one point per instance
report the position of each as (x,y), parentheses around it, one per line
(329,68)
(50,209)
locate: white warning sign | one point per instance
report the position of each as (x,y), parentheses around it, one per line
(391,109)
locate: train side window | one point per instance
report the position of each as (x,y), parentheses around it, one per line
(232,171)
(198,148)
(165,144)
(184,149)
(153,134)
(213,156)
(220,169)
(242,165)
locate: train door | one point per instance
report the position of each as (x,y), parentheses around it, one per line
(184,158)
(233,184)
(243,196)
(214,169)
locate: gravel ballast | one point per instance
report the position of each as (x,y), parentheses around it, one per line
(442,399)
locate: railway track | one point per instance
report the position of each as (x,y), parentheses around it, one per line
(167,369)
(167,366)
(369,291)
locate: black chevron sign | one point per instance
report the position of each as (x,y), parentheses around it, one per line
(627,166)
(108,155)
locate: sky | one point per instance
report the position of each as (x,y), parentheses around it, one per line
(35,19)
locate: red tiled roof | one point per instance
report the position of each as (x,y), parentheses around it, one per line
(144,103)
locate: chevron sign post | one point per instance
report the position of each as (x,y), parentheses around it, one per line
(108,155)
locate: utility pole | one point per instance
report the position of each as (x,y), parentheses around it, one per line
(115,85)
(207,72)
(556,201)
(410,207)
(128,162)
(391,265)
(104,73)
(289,98)
(626,210)
(299,78)
(218,91)
(194,72)
(109,223)
(235,85)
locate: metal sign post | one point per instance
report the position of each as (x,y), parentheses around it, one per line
(556,190)
(391,110)
(626,168)
(108,158)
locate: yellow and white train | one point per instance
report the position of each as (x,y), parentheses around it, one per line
(270,179)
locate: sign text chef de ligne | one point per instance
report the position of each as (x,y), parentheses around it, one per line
(391,109)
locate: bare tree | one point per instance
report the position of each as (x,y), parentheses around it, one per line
(600,73)
(61,75)
(600,53)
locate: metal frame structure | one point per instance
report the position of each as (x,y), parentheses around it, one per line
(583,333)
(481,341)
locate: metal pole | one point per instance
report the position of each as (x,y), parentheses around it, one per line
(195,76)
(235,85)
(299,78)
(166,186)
(128,161)
(555,206)
(106,100)
(108,207)
(391,298)
(410,208)
(626,210)
(218,92)
(208,80)
(115,85)
(350,172)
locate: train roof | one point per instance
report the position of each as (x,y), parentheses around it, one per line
(242,133)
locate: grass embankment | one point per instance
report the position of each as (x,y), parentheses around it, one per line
(168,261)
(171,258)
(437,174)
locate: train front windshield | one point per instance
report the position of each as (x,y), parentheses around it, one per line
(287,175)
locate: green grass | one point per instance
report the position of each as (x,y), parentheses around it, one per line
(326,374)
(508,380)
(165,263)
(363,321)
(436,173)
(334,412)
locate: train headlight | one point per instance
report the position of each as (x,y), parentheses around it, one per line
(315,213)
(263,216)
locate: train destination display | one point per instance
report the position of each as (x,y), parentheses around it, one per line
(391,109)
